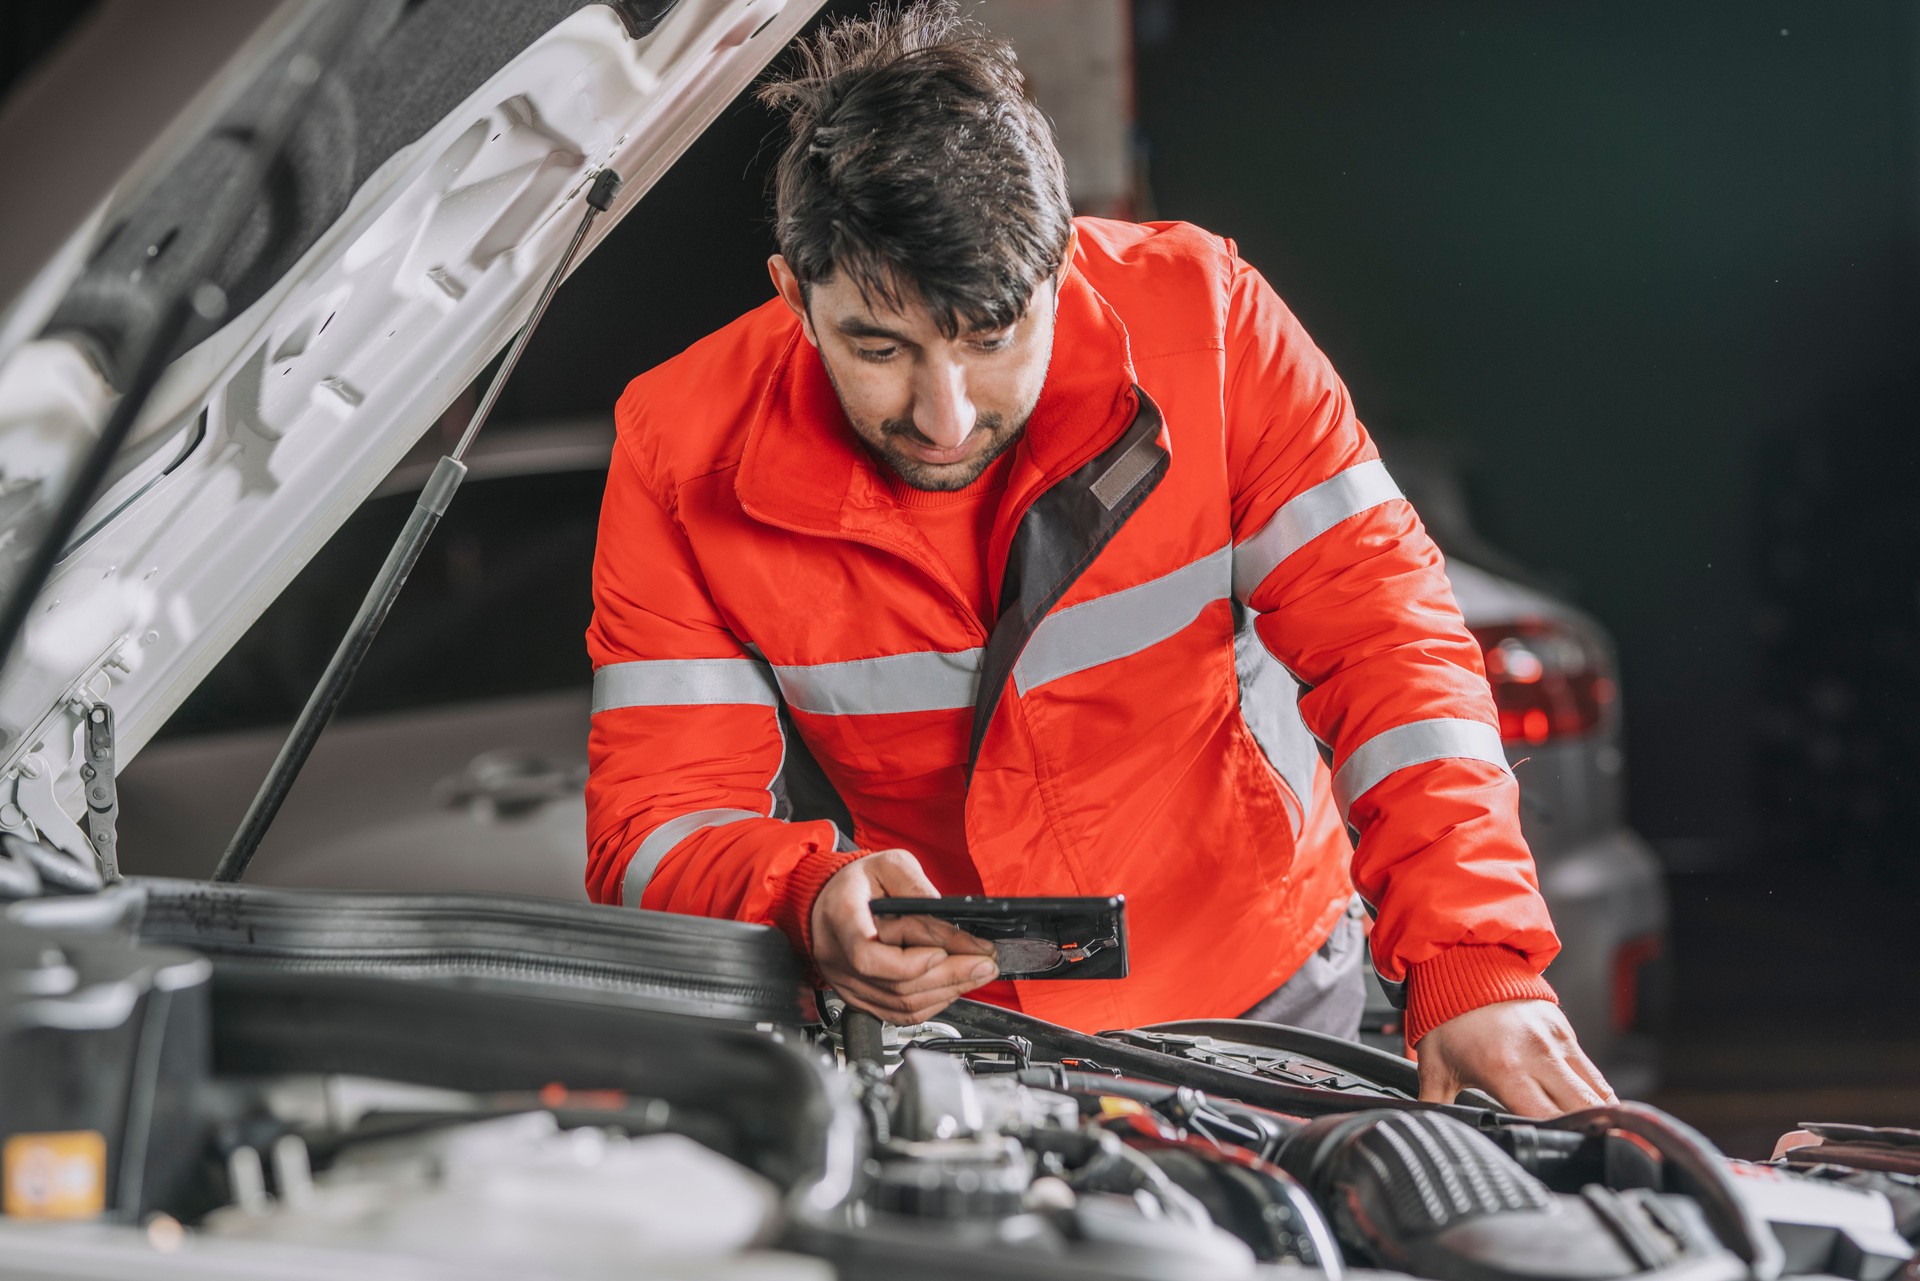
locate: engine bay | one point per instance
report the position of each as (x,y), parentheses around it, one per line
(324,1084)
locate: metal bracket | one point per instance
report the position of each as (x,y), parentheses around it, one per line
(103,798)
(31,774)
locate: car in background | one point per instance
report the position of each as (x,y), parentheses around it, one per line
(1556,687)
(461,760)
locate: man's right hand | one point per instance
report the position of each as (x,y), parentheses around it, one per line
(905,969)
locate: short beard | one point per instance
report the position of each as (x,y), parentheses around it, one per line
(926,476)
(944,479)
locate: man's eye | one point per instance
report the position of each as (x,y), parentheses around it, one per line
(877,354)
(993,344)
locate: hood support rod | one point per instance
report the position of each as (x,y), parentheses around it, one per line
(427,511)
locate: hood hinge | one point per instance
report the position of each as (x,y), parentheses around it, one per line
(75,739)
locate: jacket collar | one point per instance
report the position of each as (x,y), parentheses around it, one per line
(803,468)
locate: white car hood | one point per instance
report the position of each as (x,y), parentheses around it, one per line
(263,438)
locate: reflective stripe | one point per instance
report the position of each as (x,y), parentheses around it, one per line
(682,682)
(1270,704)
(660,843)
(1122,623)
(1415,744)
(1071,640)
(926,681)
(1305,517)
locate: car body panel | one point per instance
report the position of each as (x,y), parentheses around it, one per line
(390,802)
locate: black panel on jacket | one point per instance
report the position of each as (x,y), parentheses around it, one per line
(1057,539)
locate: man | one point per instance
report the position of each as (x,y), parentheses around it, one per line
(1027,527)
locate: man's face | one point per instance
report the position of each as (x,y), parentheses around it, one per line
(935,409)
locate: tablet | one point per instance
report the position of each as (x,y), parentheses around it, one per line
(1035,938)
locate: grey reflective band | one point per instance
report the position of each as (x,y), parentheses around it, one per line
(926,681)
(1270,704)
(1121,623)
(682,682)
(1068,641)
(1305,517)
(660,843)
(1415,744)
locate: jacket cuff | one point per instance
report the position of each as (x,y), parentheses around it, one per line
(1466,977)
(793,913)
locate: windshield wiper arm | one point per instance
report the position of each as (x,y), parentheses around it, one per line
(427,510)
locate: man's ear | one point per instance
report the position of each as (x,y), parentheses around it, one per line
(1066,259)
(792,294)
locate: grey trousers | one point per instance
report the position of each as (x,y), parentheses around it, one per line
(1328,992)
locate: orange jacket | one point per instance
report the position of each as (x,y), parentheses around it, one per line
(1196,535)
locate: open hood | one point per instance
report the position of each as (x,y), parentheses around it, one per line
(425,188)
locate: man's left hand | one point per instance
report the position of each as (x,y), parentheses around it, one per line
(1523,1053)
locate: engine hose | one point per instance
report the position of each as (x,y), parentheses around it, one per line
(1153,1094)
(1701,1167)
(1099,1162)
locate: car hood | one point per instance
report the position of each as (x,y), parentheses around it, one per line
(424,192)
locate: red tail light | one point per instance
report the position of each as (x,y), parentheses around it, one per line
(1550,679)
(1633,976)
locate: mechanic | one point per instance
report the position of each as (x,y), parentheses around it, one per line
(1025,527)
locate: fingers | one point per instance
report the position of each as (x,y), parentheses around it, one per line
(1523,1096)
(1568,1088)
(916,999)
(1523,1053)
(1584,1067)
(903,969)
(898,1010)
(929,931)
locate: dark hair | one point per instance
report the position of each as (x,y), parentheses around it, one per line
(917,164)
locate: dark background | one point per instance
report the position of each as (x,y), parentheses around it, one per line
(1650,274)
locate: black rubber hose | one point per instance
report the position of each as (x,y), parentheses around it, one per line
(861,1038)
(1363,1061)
(1051,1041)
(1703,1172)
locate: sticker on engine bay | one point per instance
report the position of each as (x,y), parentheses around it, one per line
(60,1175)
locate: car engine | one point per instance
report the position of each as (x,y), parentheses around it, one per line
(309,1084)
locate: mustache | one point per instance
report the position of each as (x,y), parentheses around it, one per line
(990,423)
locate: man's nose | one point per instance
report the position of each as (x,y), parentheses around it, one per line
(942,410)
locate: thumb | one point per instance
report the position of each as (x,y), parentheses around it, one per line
(897,874)
(1438,1084)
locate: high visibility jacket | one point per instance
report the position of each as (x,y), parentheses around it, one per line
(1203,573)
